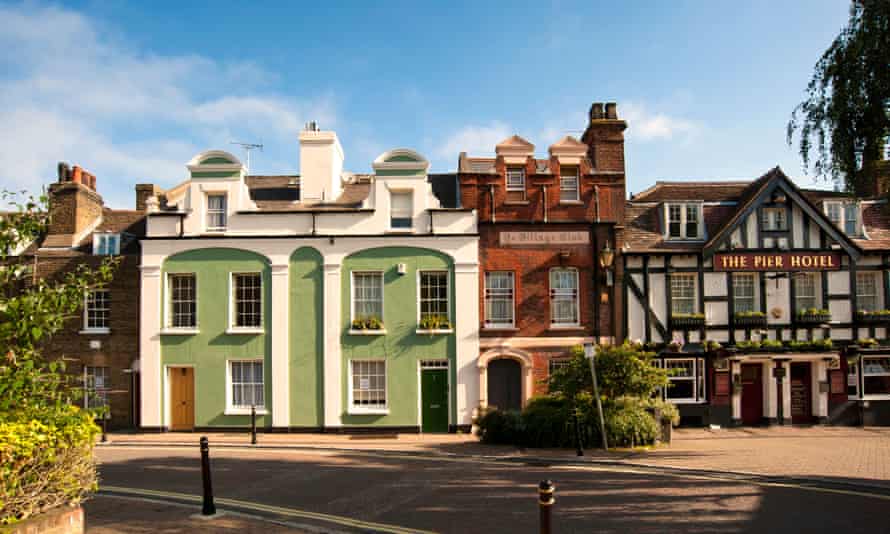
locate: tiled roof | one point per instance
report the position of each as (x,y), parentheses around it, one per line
(704,191)
(876,221)
(282,193)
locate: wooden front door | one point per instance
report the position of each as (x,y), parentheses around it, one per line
(752,394)
(505,384)
(434,400)
(801,393)
(182,398)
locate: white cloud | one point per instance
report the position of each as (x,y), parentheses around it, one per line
(475,140)
(70,91)
(645,125)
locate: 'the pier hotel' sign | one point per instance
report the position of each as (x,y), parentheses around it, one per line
(782,261)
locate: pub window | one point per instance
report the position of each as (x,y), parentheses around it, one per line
(876,376)
(805,292)
(773,219)
(682,294)
(568,184)
(686,378)
(867,291)
(684,221)
(742,292)
(515,184)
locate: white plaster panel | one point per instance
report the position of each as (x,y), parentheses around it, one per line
(165,225)
(777,293)
(840,311)
(871,260)
(814,235)
(684,261)
(635,262)
(635,320)
(715,284)
(716,313)
(719,335)
(657,297)
(842,334)
(796,227)
(466,329)
(838,282)
(751,227)
(280,346)
(150,348)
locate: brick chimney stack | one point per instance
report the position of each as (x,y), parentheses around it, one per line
(74,206)
(605,137)
(143,193)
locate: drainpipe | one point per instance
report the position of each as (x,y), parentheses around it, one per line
(432,229)
(491,192)
(596,201)
(544,193)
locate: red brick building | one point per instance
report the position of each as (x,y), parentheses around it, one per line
(545,226)
(100,346)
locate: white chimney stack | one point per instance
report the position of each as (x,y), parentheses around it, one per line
(321,164)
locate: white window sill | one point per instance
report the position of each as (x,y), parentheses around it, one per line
(95,331)
(400,231)
(686,401)
(571,202)
(433,331)
(879,397)
(244,411)
(247,331)
(505,328)
(566,327)
(517,202)
(179,331)
(215,231)
(354,332)
(368,411)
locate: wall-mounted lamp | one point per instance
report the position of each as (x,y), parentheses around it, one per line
(607,258)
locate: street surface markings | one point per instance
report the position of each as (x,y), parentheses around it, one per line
(259,507)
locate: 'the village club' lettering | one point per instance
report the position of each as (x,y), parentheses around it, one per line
(777,262)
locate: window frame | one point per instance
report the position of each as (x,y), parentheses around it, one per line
(168,302)
(420,299)
(576,191)
(853,372)
(554,364)
(358,409)
(224,212)
(91,391)
(735,294)
(699,381)
(410,218)
(797,294)
(233,327)
(875,277)
(770,217)
(683,221)
(553,295)
(490,325)
(87,328)
(100,237)
(352,288)
(231,407)
(516,187)
(844,209)
(675,277)
(864,394)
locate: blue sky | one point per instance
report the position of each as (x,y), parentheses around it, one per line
(132,91)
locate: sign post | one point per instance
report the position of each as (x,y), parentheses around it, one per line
(590,353)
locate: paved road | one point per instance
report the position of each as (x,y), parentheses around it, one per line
(471,496)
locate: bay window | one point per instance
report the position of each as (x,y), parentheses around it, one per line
(875,375)
(686,378)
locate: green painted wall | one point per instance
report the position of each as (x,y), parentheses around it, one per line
(214,174)
(401,347)
(209,350)
(403,158)
(401,172)
(217,159)
(306,338)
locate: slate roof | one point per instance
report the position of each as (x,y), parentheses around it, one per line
(276,193)
(724,202)
(445,188)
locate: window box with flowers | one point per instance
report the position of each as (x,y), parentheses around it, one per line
(873,317)
(368,326)
(434,324)
(812,316)
(749,319)
(687,321)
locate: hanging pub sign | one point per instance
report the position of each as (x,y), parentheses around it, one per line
(778,261)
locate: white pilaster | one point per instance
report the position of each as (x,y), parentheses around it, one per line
(786,392)
(771,396)
(280,343)
(151,392)
(820,400)
(466,291)
(333,368)
(735,369)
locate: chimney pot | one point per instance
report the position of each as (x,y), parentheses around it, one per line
(596,111)
(77,174)
(64,172)
(611,110)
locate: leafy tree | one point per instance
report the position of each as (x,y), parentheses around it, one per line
(845,118)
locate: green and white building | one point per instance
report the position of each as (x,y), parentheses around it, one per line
(325,300)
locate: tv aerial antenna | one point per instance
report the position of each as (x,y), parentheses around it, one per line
(247,148)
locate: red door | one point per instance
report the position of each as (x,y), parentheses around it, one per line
(752,394)
(801,393)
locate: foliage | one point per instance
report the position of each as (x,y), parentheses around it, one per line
(712,346)
(874,313)
(867,342)
(774,345)
(45,442)
(687,316)
(846,114)
(630,423)
(368,323)
(814,312)
(497,427)
(667,410)
(744,314)
(435,322)
(548,421)
(46,463)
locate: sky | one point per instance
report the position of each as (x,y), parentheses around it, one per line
(133,90)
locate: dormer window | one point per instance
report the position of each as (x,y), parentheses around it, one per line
(773,219)
(401,207)
(515,184)
(568,184)
(684,221)
(844,215)
(106,244)
(216,212)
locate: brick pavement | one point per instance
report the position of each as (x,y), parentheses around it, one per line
(834,453)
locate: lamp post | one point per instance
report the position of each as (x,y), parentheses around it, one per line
(607,258)
(590,353)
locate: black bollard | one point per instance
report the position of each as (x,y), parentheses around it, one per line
(579,450)
(208,507)
(104,428)
(252,424)
(546,500)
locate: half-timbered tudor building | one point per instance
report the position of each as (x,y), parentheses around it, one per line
(546,245)
(764,299)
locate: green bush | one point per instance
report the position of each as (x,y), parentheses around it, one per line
(46,463)
(500,428)
(629,423)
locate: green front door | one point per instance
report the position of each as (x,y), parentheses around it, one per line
(434,400)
